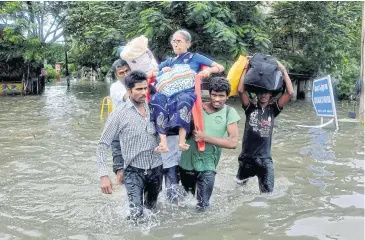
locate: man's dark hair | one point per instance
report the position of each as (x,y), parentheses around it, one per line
(219,84)
(134,77)
(118,64)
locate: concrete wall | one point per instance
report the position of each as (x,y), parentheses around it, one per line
(295,94)
(308,90)
(304,86)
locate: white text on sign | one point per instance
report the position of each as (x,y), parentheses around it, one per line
(323,99)
(321,88)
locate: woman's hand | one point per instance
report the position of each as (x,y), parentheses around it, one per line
(205,73)
(166,69)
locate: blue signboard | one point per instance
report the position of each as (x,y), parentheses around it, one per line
(322,97)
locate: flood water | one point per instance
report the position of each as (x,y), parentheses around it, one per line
(49,187)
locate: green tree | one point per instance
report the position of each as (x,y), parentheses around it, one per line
(93,30)
(318,38)
(218,28)
(30,31)
(43,20)
(222,30)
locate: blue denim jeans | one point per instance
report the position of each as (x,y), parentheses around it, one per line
(203,182)
(142,184)
(172,179)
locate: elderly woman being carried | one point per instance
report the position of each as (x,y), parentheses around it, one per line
(172,104)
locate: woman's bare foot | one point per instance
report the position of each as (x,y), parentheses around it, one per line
(182,140)
(162,148)
(183,146)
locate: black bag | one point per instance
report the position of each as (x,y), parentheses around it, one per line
(263,75)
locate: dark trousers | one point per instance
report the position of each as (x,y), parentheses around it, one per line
(203,182)
(263,168)
(142,184)
(118,161)
(172,179)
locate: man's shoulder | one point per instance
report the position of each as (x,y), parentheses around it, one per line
(273,105)
(114,83)
(232,114)
(250,106)
(117,84)
(230,108)
(122,109)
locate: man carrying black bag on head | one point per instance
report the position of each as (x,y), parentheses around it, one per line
(255,158)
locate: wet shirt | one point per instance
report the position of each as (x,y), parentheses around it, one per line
(258,130)
(137,135)
(215,125)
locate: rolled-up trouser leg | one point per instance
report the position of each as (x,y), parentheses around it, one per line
(153,187)
(205,183)
(134,181)
(265,175)
(188,179)
(171,180)
(118,161)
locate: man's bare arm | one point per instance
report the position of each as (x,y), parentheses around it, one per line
(241,90)
(229,142)
(286,96)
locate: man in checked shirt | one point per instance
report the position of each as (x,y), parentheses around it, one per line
(138,140)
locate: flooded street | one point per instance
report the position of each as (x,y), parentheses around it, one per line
(49,187)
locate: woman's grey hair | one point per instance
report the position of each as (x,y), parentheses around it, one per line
(185,34)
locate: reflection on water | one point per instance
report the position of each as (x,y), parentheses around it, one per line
(328,228)
(49,188)
(345,201)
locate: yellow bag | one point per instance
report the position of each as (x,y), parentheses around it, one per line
(235,73)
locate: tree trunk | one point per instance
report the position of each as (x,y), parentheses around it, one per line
(362,72)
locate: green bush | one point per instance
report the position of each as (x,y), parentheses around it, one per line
(347,77)
(51,72)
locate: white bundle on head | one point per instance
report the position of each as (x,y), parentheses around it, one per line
(138,56)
